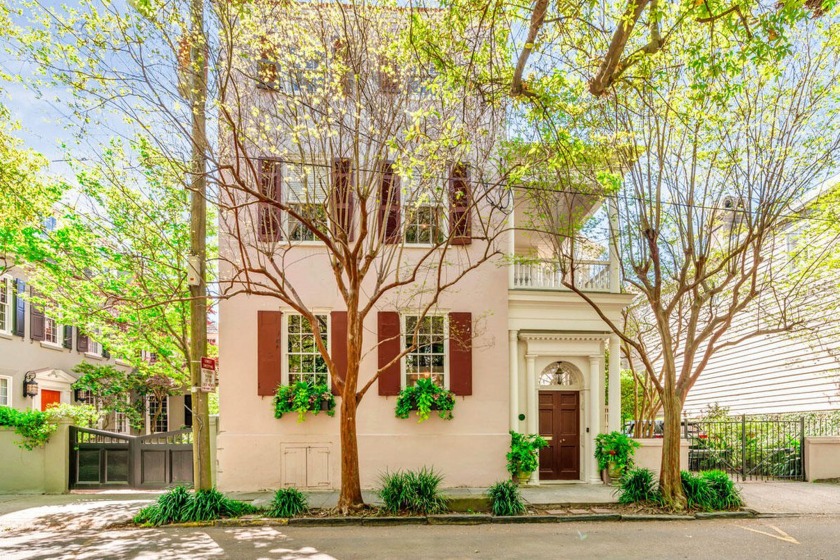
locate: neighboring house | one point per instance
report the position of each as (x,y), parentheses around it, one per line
(792,372)
(533,360)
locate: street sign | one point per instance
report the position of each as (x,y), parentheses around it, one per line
(208,374)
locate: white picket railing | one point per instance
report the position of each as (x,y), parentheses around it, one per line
(588,275)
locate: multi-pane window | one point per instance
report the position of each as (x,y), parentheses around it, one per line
(307,186)
(5,391)
(424,224)
(5,304)
(50,331)
(158,415)
(95,347)
(428,358)
(302,355)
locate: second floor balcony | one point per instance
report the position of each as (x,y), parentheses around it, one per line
(544,274)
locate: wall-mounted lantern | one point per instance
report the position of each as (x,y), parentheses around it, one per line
(30,386)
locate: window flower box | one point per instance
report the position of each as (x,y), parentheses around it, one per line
(424,397)
(303,397)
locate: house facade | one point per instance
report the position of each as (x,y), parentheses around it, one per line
(518,350)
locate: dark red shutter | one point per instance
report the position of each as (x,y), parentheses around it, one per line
(389,204)
(20,308)
(388,333)
(81,341)
(338,345)
(269,351)
(460,218)
(460,353)
(271,188)
(36,318)
(342,197)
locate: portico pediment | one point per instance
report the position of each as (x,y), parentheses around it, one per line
(570,344)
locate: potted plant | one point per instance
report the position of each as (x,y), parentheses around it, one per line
(424,397)
(303,397)
(614,452)
(523,457)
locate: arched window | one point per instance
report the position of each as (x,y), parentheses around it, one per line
(560,373)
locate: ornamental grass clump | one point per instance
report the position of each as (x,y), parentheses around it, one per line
(698,493)
(303,397)
(287,502)
(638,486)
(505,499)
(179,505)
(725,494)
(424,397)
(413,492)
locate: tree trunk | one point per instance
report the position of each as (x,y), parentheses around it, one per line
(670,484)
(350,497)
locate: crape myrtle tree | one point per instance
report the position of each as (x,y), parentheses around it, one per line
(361,129)
(713,160)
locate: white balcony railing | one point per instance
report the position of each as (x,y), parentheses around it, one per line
(590,276)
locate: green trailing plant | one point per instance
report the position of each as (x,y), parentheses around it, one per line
(303,397)
(33,426)
(523,456)
(725,494)
(287,502)
(638,486)
(412,491)
(424,397)
(505,499)
(616,448)
(698,493)
(180,505)
(84,415)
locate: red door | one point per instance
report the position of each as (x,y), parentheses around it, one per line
(560,425)
(49,397)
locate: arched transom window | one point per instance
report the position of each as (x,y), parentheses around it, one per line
(560,373)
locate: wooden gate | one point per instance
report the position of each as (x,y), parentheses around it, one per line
(100,459)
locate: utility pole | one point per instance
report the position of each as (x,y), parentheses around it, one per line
(202,479)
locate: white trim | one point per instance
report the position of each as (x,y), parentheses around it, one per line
(9,314)
(9,390)
(284,339)
(148,420)
(52,346)
(446,342)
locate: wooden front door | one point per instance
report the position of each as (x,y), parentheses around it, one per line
(49,397)
(560,425)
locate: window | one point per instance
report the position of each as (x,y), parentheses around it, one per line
(306,190)
(304,361)
(305,76)
(95,347)
(5,391)
(428,359)
(158,415)
(424,225)
(50,330)
(6,309)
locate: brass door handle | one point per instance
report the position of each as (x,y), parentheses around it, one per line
(548,438)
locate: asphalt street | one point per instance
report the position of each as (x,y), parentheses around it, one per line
(777,538)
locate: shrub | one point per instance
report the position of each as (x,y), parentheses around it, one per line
(303,397)
(725,494)
(84,415)
(698,493)
(287,502)
(180,505)
(638,485)
(412,491)
(617,448)
(31,425)
(425,397)
(524,452)
(505,499)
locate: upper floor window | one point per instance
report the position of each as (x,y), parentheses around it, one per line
(306,189)
(305,362)
(268,70)
(424,217)
(51,328)
(5,304)
(428,359)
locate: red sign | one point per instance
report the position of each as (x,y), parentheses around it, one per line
(208,374)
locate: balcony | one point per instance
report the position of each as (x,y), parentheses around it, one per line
(589,276)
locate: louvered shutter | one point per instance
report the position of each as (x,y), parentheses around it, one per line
(36,319)
(270,187)
(460,353)
(20,308)
(67,342)
(82,341)
(388,333)
(389,204)
(269,351)
(338,345)
(460,218)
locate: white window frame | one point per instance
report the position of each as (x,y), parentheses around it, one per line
(285,219)
(94,347)
(7,308)
(9,391)
(285,338)
(446,351)
(149,415)
(57,328)
(407,205)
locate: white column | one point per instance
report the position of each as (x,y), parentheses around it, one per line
(513,364)
(615,257)
(595,413)
(511,240)
(532,412)
(615,384)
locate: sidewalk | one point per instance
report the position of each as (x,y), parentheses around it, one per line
(796,498)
